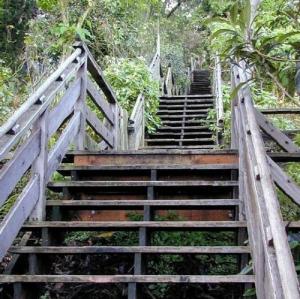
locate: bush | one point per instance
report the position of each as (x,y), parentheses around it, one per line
(129,78)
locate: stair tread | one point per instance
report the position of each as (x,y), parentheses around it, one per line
(140,183)
(151,152)
(142,203)
(183,111)
(178,140)
(67,168)
(128,249)
(187,147)
(98,279)
(166,116)
(191,127)
(179,133)
(185,96)
(135,224)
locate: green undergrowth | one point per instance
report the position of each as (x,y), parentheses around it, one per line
(167,264)
(129,78)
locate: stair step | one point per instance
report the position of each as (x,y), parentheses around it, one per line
(181,115)
(191,106)
(180,134)
(182,111)
(168,203)
(186,147)
(107,279)
(157,225)
(186,96)
(66,169)
(117,225)
(199,120)
(152,155)
(58,186)
(130,249)
(180,140)
(187,101)
(198,128)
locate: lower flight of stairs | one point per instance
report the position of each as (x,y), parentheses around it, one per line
(139,210)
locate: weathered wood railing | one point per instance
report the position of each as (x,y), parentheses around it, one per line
(170,87)
(217,90)
(136,126)
(35,139)
(274,268)
(196,62)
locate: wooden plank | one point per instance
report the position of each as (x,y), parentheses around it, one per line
(66,169)
(182,139)
(12,172)
(141,203)
(58,152)
(91,144)
(107,279)
(101,225)
(98,76)
(99,127)
(284,141)
(196,183)
(13,221)
(34,112)
(65,107)
(99,101)
(284,182)
(284,157)
(163,157)
(129,249)
(40,167)
(281,111)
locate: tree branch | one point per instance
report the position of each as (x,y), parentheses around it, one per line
(175,8)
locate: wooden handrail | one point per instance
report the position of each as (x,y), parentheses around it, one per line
(27,133)
(274,268)
(12,121)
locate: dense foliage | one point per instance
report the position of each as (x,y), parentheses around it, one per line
(37,35)
(130,78)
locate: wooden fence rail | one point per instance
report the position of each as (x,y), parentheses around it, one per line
(38,135)
(275,275)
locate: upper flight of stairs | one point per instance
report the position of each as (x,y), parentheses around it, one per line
(184,121)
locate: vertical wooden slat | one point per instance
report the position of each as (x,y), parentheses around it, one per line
(39,167)
(80,105)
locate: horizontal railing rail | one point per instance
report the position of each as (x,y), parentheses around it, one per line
(275,275)
(75,108)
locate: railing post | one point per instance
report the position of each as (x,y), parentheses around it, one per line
(40,167)
(80,105)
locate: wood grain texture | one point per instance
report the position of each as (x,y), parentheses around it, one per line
(12,172)
(13,221)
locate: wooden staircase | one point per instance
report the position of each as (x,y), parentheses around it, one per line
(184,118)
(113,219)
(98,192)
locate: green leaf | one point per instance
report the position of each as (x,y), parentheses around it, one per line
(249,292)
(235,91)
(223,31)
